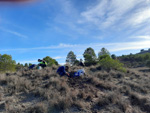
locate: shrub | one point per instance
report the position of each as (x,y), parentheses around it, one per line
(109,63)
(38,108)
(148,63)
(104,56)
(6,63)
(50,61)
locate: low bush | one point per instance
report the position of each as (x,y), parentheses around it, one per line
(38,108)
(44,91)
(148,63)
(109,63)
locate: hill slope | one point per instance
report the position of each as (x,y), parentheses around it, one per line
(42,91)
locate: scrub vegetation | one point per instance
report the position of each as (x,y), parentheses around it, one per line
(111,84)
(44,91)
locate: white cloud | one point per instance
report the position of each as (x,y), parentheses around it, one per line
(107,14)
(66,6)
(117,9)
(62,63)
(104,16)
(28,61)
(95,13)
(140,17)
(60,46)
(147,1)
(143,42)
(65,45)
(14,33)
(130,46)
(143,37)
(35,61)
(58,57)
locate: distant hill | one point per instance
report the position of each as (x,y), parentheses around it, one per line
(136,60)
(144,51)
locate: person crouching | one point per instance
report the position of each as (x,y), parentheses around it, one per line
(63,70)
(42,63)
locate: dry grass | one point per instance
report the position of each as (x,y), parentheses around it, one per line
(44,91)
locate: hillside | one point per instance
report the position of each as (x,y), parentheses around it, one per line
(44,91)
(144,51)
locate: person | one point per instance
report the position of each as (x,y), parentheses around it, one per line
(32,66)
(81,63)
(42,63)
(63,70)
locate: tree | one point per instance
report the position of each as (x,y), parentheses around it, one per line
(142,50)
(77,62)
(26,65)
(103,56)
(113,56)
(30,64)
(6,63)
(50,61)
(89,57)
(19,66)
(71,58)
(146,56)
(103,52)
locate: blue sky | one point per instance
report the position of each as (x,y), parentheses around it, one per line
(35,30)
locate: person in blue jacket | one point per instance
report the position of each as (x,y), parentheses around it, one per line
(63,70)
(32,66)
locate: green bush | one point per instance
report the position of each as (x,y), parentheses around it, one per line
(109,63)
(89,60)
(104,56)
(50,61)
(6,63)
(148,63)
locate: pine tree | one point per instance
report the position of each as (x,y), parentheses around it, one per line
(71,58)
(103,51)
(19,66)
(89,56)
(26,65)
(113,56)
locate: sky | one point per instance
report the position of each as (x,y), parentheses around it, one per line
(34,30)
